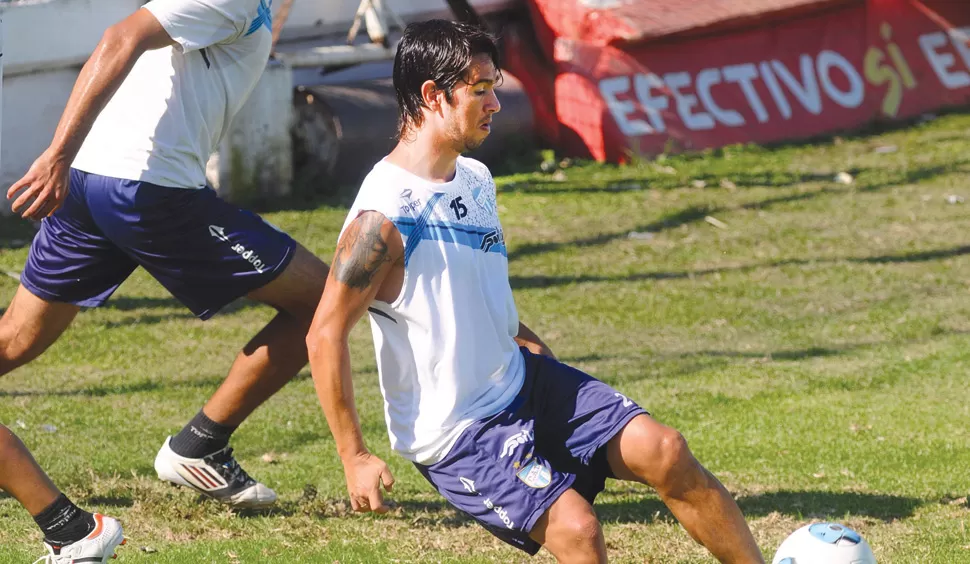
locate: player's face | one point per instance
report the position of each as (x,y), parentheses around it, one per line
(470,119)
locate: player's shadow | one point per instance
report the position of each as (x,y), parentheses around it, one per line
(649,509)
(815,505)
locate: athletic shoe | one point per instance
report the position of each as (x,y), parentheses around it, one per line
(99,546)
(217,475)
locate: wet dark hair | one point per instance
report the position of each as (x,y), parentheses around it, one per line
(440,51)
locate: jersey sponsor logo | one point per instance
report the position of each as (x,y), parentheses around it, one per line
(247,254)
(409,207)
(493,238)
(501,512)
(535,474)
(469,485)
(515,441)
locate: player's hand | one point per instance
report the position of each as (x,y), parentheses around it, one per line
(365,473)
(44,187)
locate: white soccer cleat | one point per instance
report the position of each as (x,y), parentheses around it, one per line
(97,547)
(217,475)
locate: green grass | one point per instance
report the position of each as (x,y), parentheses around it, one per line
(814,352)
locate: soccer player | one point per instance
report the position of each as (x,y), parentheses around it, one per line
(472,397)
(123,185)
(70,533)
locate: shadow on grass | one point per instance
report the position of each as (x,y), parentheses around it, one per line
(110,501)
(801,505)
(636,180)
(539,281)
(685,216)
(118,390)
(649,509)
(133,303)
(694,214)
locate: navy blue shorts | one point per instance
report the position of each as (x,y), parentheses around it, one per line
(204,250)
(507,470)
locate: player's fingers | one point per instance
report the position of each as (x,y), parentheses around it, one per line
(377,501)
(17,187)
(40,202)
(386,478)
(26,196)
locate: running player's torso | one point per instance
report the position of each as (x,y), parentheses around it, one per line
(170,113)
(445,347)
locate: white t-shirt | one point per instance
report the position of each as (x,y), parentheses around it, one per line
(445,349)
(174,107)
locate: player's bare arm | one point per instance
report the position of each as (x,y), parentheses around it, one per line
(46,182)
(367,255)
(528,339)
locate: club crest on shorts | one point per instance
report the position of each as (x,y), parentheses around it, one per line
(535,474)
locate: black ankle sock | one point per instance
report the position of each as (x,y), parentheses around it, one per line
(62,522)
(201,437)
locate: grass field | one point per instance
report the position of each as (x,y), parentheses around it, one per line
(812,341)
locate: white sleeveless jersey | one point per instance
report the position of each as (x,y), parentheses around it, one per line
(445,348)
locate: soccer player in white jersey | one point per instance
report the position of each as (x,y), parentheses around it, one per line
(472,397)
(123,185)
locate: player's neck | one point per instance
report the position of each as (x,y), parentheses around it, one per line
(423,156)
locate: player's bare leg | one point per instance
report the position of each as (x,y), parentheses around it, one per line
(648,452)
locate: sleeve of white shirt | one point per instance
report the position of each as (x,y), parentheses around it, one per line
(197,24)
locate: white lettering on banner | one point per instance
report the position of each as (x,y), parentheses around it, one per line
(705,79)
(941,62)
(640,103)
(772,82)
(960,37)
(609,88)
(651,95)
(857,89)
(643,83)
(807,90)
(742,74)
(685,102)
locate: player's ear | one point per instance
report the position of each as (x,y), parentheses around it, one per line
(431,95)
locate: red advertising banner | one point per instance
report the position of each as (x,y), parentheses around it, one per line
(802,76)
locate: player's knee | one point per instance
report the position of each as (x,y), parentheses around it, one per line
(15,350)
(677,469)
(583,533)
(10,446)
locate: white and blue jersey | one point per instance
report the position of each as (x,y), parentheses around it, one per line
(500,432)
(445,347)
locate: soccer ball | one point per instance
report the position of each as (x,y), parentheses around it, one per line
(824,543)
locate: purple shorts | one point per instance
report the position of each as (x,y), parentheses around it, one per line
(508,469)
(204,250)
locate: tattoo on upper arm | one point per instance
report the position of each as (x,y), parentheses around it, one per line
(361,252)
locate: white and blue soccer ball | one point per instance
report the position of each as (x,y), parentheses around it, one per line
(824,543)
